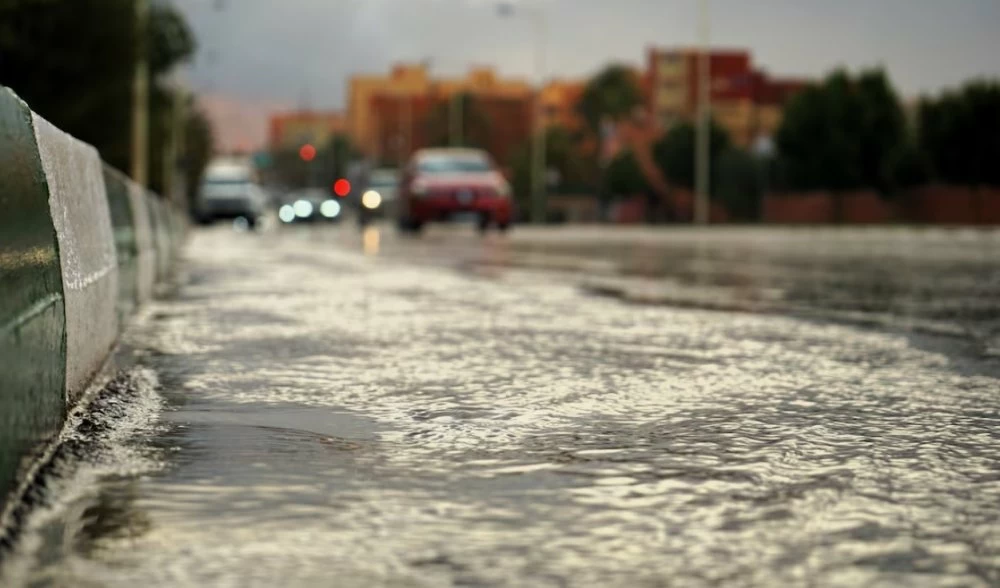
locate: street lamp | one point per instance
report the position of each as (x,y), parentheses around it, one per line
(703,153)
(456,114)
(140,97)
(538,155)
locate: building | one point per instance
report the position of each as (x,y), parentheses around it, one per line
(770,95)
(370,95)
(404,124)
(744,101)
(560,104)
(291,130)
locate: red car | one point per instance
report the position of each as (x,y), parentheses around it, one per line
(447,184)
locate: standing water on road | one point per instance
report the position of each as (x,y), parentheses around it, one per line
(336,418)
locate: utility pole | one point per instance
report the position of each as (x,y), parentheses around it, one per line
(538,208)
(457,113)
(140,97)
(407,125)
(703,172)
(538,165)
(174,143)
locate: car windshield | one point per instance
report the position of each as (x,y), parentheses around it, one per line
(452,164)
(384,180)
(225,187)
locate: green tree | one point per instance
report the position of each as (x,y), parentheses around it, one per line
(613,93)
(624,177)
(960,134)
(72,61)
(675,152)
(737,183)
(562,154)
(198,148)
(844,134)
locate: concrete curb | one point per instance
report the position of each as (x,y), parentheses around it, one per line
(81,247)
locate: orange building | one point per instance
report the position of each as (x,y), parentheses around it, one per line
(413,82)
(291,130)
(560,104)
(404,124)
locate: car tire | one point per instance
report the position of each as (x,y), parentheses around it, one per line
(410,226)
(484,224)
(503,227)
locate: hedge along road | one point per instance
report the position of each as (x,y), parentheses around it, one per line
(334,416)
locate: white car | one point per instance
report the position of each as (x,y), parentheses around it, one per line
(230,190)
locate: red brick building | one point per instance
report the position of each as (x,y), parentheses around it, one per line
(745,101)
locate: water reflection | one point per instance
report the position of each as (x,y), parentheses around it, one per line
(371,238)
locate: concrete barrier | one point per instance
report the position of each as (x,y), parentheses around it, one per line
(82,218)
(32,316)
(81,246)
(159,220)
(133,242)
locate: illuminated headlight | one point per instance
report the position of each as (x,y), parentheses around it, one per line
(329,208)
(286,213)
(303,208)
(371,199)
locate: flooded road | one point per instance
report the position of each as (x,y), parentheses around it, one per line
(358,410)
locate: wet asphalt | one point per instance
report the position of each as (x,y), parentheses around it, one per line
(324,406)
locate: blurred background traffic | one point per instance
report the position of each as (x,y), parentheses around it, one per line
(637,112)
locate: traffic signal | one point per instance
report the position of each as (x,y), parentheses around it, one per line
(341,187)
(307,152)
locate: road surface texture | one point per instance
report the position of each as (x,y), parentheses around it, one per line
(324,407)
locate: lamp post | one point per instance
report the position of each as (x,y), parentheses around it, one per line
(140,97)
(703,147)
(456,114)
(538,195)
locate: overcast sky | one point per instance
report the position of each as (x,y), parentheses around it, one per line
(259,55)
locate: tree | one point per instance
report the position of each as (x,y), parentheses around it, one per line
(73,61)
(613,93)
(198,148)
(624,177)
(844,134)
(737,183)
(675,152)
(959,133)
(562,154)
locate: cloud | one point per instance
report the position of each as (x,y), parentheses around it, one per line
(239,123)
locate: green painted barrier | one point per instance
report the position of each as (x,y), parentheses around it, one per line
(126,246)
(32,314)
(81,247)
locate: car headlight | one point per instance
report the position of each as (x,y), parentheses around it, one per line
(371,199)
(303,208)
(330,208)
(286,213)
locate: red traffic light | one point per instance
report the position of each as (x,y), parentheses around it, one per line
(307,152)
(341,187)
